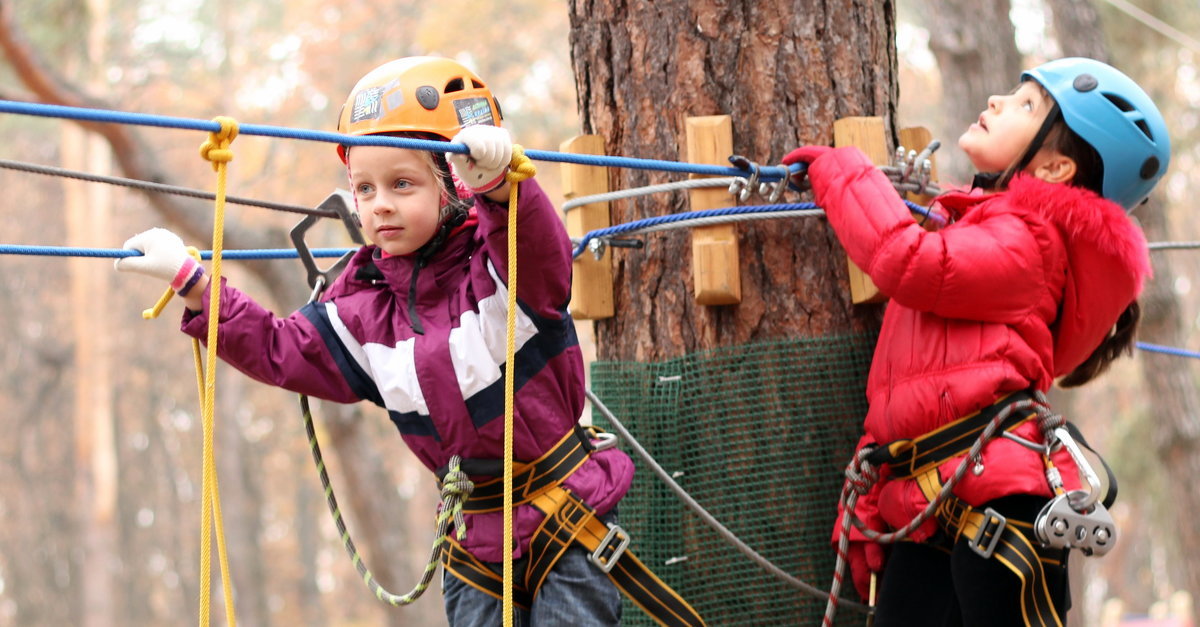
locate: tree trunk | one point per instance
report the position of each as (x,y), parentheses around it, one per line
(1176,432)
(785,73)
(1077,28)
(977,56)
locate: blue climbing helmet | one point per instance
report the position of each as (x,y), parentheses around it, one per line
(1115,116)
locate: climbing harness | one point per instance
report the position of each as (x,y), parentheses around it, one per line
(1072,520)
(569,521)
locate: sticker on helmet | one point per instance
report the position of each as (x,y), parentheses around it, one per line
(395,97)
(367,105)
(473,111)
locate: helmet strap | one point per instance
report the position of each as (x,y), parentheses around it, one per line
(1034,146)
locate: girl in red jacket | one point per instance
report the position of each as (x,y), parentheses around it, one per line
(1036,278)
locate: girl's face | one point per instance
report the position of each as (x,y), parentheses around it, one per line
(1006,128)
(399,197)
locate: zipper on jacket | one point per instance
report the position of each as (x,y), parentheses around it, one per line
(413,318)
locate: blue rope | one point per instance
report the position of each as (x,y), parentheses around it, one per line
(690,215)
(117,253)
(1178,352)
(766,173)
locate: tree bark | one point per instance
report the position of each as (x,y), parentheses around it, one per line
(785,73)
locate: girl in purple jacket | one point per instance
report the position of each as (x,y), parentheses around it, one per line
(417,325)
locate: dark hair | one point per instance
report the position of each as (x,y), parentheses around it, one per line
(1118,341)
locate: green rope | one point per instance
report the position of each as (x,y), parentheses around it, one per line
(456,487)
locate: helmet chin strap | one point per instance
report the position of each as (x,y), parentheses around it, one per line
(1000,180)
(1034,146)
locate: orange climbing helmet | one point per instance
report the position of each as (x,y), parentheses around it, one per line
(417,94)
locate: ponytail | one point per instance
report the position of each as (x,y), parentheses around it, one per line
(1119,341)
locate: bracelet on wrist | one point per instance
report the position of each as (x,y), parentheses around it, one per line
(191,282)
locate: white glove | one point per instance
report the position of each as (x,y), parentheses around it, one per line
(491,152)
(164,257)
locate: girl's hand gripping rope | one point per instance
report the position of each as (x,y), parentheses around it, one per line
(165,257)
(491,152)
(804,155)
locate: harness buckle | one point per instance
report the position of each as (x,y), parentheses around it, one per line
(606,555)
(988,536)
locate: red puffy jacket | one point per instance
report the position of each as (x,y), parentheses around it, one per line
(1019,290)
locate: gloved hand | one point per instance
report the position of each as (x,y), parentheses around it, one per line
(491,152)
(865,558)
(805,154)
(164,257)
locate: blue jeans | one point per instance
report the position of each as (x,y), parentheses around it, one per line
(574,593)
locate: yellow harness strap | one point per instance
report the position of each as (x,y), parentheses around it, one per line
(993,536)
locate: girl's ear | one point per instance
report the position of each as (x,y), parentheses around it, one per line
(1054,167)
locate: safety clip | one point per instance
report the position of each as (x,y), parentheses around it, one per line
(318,279)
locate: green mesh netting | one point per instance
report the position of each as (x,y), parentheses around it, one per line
(759,435)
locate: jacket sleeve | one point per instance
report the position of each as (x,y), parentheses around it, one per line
(283,352)
(543,248)
(957,272)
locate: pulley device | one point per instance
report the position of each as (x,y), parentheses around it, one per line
(1076,519)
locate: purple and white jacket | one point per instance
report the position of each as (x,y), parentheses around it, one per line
(443,388)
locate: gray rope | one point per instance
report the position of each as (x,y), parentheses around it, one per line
(158,187)
(697,509)
(1173,245)
(634,192)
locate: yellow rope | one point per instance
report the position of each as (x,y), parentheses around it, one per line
(520,169)
(215,149)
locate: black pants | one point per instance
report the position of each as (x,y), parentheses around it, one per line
(939,583)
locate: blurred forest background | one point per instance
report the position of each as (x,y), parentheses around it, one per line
(100,463)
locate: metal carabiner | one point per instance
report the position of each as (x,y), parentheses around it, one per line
(318,278)
(1080,502)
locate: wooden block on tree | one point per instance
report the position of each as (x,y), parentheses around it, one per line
(867,133)
(592,281)
(715,269)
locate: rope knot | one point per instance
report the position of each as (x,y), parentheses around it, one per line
(521,167)
(216,147)
(456,487)
(860,473)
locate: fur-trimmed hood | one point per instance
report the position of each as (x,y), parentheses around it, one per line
(1108,260)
